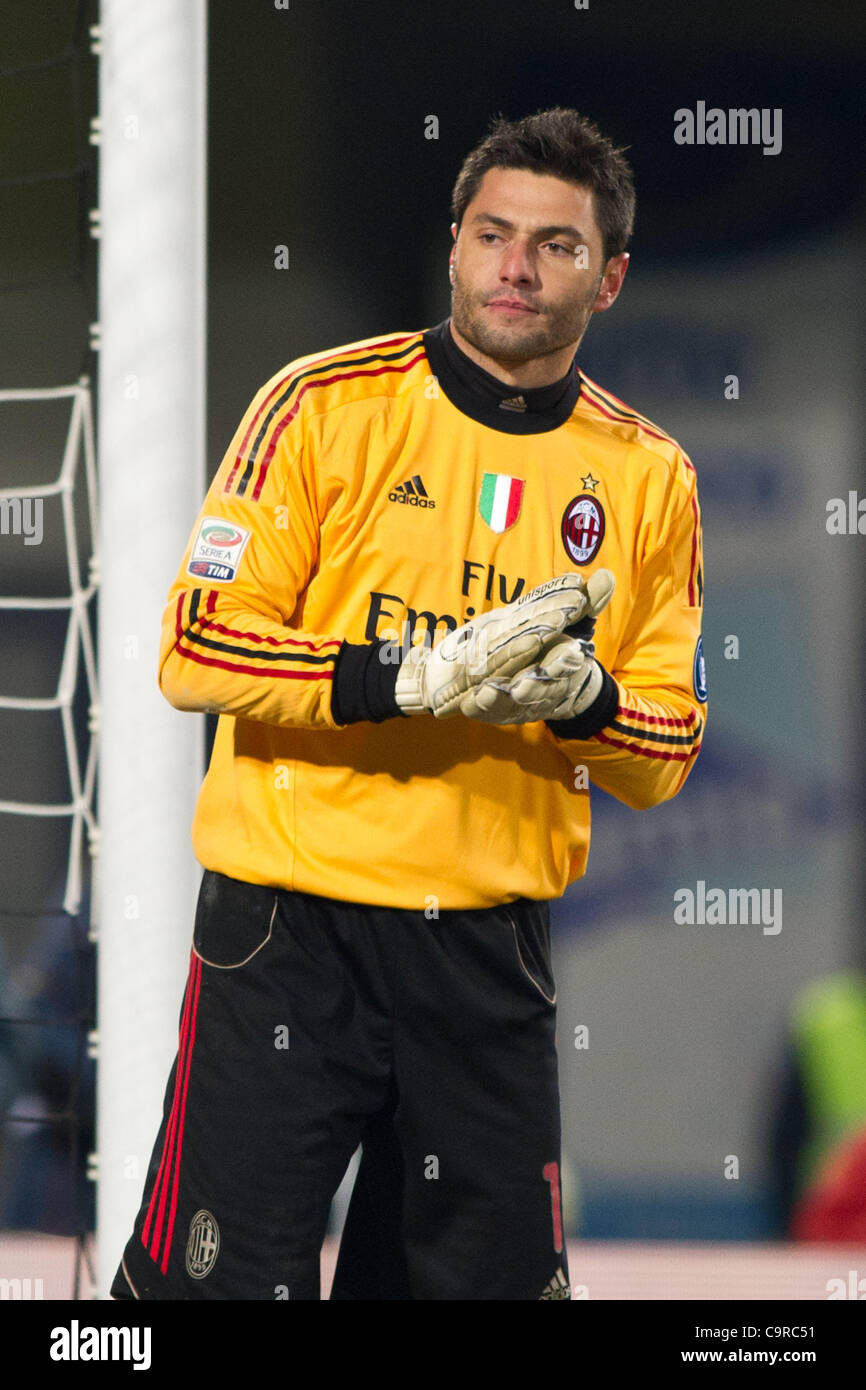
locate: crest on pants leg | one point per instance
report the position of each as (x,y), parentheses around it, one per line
(203,1245)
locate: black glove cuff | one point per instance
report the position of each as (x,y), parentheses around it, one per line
(602,711)
(364,684)
(585,629)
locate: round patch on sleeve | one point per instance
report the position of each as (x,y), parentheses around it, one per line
(699,672)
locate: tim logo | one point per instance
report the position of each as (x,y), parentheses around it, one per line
(203,1245)
(211,571)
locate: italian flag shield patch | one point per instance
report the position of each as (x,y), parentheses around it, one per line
(499,500)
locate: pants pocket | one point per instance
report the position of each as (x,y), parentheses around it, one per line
(233,920)
(530,925)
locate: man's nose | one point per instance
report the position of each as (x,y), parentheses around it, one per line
(518,262)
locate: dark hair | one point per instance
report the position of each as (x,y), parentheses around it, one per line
(565,144)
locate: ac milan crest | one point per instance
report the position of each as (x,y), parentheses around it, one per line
(583,528)
(203,1245)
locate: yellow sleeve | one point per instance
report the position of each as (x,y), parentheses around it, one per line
(645,753)
(228,641)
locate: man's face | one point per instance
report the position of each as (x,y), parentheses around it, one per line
(528,268)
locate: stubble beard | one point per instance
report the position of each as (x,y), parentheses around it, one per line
(514,344)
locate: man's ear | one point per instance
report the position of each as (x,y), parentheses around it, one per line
(611,282)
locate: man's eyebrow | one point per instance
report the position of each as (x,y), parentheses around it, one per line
(552,230)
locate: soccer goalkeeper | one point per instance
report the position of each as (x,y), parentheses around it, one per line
(441,583)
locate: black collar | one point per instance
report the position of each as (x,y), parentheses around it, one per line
(511,409)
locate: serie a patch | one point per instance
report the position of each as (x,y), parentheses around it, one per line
(217,549)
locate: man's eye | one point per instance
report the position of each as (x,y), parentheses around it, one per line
(489,235)
(558,246)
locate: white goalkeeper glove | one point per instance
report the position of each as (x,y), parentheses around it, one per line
(496,644)
(562,684)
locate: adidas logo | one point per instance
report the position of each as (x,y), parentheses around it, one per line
(513,403)
(558,1287)
(412,493)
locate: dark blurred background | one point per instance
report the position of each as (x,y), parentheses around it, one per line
(742,263)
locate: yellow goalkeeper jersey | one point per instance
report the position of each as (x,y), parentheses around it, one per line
(384,490)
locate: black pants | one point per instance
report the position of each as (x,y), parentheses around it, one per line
(309,1026)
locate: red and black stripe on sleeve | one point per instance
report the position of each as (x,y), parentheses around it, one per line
(279,408)
(204,639)
(672,738)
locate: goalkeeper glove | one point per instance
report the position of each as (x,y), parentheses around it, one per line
(564,683)
(496,644)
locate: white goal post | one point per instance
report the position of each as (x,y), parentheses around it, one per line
(151,223)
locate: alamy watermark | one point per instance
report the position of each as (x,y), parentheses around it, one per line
(846,518)
(737,126)
(22,516)
(710,907)
(854,1287)
(77,1343)
(21,1289)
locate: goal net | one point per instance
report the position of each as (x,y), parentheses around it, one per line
(87,659)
